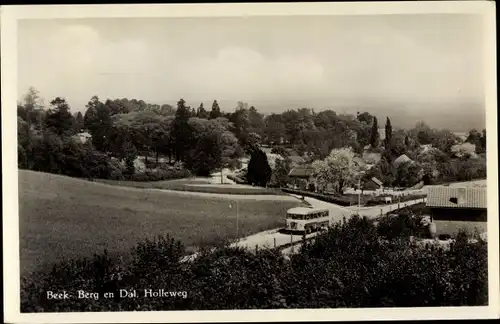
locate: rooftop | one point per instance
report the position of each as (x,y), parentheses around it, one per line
(301,171)
(403,158)
(440,196)
(377,181)
(304,210)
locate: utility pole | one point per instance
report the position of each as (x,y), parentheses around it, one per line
(359,194)
(237,219)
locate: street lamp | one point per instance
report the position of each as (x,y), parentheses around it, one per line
(359,194)
(237,218)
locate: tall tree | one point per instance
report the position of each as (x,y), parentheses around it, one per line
(181,131)
(255,121)
(59,118)
(388,133)
(32,109)
(201,113)
(375,136)
(215,112)
(97,120)
(274,129)
(259,172)
(78,122)
(407,141)
(483,142)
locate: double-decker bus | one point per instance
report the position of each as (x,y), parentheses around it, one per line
(304,219)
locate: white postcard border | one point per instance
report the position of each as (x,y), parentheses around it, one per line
(9,17)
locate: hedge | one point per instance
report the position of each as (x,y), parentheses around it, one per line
(395,199)
(328,198)
(350,265)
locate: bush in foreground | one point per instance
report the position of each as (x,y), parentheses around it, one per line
(351,265)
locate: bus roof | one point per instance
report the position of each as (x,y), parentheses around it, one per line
(305,210)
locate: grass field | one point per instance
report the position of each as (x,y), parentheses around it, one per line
(195,185)
(62,217)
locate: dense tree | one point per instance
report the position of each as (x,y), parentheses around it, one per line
(478,139)
(129,154)
(388,134)
(255,121)
(201,112)
(274,129)
(444,140)
(148,131)
(58,118)
(423,133)
(365,117)
(483,142)
(31,109)
(375,136)
(280,150)
(241,122)
(216,147)
(258,172)
(464,150)
(408,174)
(78,123)
(280,172)
(407,141)
(337,169)
(97,120)
(215,112)
(181,131)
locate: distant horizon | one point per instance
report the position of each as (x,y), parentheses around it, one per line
(475,119)
(424,66)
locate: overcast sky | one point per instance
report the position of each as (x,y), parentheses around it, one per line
(272,61)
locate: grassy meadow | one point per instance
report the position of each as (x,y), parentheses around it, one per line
(62,217)
(195,185)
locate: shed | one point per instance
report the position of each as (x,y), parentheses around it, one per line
(457,207)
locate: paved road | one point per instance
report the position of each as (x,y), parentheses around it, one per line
(338,212)
(269,238)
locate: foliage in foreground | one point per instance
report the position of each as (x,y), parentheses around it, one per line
(351,265)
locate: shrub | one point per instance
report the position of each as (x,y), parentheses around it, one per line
(404,224)
(350,265)
(342,201)
(159,175)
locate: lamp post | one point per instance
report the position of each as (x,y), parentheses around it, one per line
(237,218)
(359,194)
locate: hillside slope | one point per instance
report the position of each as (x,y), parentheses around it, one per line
(62,217)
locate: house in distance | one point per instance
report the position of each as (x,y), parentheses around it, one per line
(301,177)
(373,184)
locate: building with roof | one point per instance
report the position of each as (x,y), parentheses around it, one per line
(296,160)
(301,177)
(359,162)
(457,203)
(373,184)
(403,158)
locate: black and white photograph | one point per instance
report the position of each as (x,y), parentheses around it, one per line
(250,158)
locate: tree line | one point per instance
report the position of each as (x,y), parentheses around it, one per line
(203,140)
